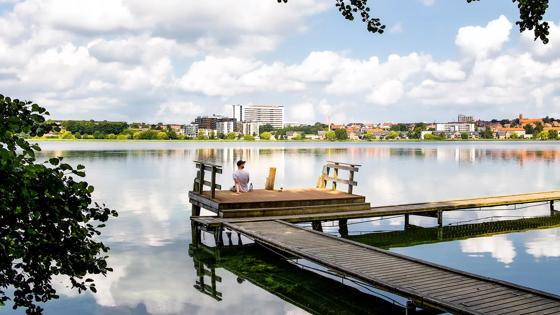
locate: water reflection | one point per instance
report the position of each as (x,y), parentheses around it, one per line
(311,292)
(147,183)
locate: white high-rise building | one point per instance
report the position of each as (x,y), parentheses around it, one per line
(237,112)
(264,114)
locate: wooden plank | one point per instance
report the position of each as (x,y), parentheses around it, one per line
(208,166)
(465,292)
(488,296)
(343,163)
(460,281)
(552,310)
(461,291)
(507,304)
(399,271)
(209,184)
(528,307)
(340,180)
(281,211)
(426,280)
(343,167)
(452,290)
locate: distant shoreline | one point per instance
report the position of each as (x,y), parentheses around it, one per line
(292,141)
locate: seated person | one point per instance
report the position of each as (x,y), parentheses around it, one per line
(241,179)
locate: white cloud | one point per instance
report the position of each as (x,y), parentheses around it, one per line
(544,243)
(498,246)
(446,71)
(427,2)
(480,42)
(542,51)
(230,76)
(386,93)
(175,111)
(396,28)
(140,56)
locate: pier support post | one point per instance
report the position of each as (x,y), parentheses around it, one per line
(239,241)
(440,218)
(317,226)
(195,211)
(552,207)
(230,242)
(195,233)
(218,237)
(406,221)
(343,227)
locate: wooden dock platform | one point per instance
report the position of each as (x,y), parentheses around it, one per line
(267,216)
(424,208)
(427,284)
(265,203)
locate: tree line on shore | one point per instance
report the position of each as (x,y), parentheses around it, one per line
(111,130)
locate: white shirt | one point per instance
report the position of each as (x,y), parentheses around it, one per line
(242,177)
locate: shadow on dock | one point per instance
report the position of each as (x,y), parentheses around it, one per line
(415,235)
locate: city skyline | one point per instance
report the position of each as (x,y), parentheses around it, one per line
(139,65)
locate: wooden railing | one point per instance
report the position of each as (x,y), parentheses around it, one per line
(201,180)
(335,178)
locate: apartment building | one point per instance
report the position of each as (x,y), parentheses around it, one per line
(264,114)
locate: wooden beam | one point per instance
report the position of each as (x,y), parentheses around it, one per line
(269,185)
(342,163)
(343,167)
(209,184)
(342,181)
(213,182)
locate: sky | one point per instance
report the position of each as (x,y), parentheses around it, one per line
(170,61)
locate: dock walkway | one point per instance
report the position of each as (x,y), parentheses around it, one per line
(403,209)
(427,284)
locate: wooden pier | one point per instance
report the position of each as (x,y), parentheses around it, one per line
(427,284)
(265,216)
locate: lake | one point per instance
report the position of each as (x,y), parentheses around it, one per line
(147,183)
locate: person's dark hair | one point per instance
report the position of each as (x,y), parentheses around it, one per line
(240,162)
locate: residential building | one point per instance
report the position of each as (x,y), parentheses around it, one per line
(265,114)
(528,121)
(207,132)
(293,134)
(205,122)
(191,130)
(455,127)
(179,129)
(225,125)
(248,128)
(506,133)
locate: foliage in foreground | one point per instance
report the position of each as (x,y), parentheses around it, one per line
(48,224)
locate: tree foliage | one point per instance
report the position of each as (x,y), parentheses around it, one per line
(266,128)
(265,135)
(48,224)
(91,127)
(341,134)
(531,15)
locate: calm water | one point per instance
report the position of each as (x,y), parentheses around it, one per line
(147,183)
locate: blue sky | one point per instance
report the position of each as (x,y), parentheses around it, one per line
(135,61)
